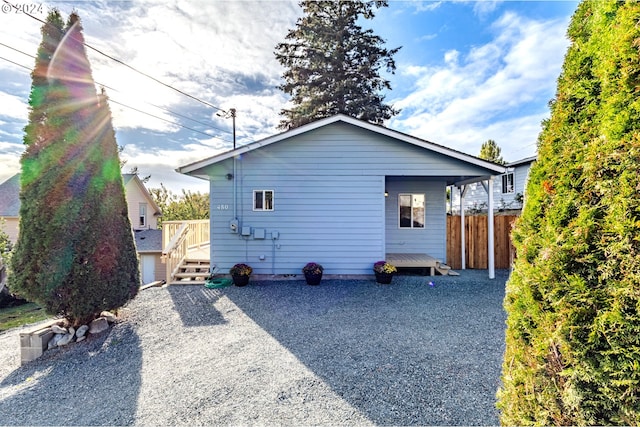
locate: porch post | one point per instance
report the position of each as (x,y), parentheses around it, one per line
(463,241)
(490,238)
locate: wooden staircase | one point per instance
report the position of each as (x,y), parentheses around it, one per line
(192,271)
(186,251)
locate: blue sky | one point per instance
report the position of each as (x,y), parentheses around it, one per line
(468,71)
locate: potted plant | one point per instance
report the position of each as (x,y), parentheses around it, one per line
(384,272)
(312,273)
(240,274)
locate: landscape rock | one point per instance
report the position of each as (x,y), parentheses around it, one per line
(53,342)
(57,329)
(81,338)
(82,330)
(66,339)
(111,318)
(98,325)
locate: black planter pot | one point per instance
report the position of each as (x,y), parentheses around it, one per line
(240,280)
(384,278)
(313,279)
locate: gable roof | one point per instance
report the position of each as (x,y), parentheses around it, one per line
(522,161)
(193,168)
(10,197)
(127,177)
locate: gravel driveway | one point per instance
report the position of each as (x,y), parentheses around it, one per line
(347,352)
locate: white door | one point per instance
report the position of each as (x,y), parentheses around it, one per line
(148,265)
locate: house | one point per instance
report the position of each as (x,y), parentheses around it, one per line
(143,215)
(10,206)
(338,191)
(508,190)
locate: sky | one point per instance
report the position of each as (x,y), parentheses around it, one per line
(468,71)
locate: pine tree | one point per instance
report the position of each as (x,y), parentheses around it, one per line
(573,299)
(491,152)
(75,253)
(333,65)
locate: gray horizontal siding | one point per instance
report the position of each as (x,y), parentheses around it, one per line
(336,221)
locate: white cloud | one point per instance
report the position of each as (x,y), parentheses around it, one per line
(476,95)
(13,107)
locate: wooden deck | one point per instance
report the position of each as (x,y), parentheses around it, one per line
(418,261)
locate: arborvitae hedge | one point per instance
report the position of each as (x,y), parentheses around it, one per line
(573,299)
(75,253)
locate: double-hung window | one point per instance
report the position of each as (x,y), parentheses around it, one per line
(411,210)
(143,215)
(507,183)
(262,200)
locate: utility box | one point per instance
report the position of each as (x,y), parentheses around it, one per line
(246,231)
(259,233)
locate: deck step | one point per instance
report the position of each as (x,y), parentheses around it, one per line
(188,282)
(191,274)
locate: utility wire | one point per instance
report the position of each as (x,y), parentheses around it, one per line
(135,109)
(127,65)
(116,90)
(15,63)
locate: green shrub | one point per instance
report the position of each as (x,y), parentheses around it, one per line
(75,253)
(573,300)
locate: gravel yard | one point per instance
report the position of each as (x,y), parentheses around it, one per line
(347,352)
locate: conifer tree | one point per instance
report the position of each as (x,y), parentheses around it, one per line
(333,64)
(75,253)
(490,151)
(573,299)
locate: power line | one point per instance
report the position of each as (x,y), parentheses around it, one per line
(126,65)
(15,63)
(166,120)
(119,91)
(136,109)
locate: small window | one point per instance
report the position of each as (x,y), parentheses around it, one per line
(262,200)
(143,215)
(411,210)
(507,183)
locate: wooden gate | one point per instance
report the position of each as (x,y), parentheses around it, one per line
(476,232)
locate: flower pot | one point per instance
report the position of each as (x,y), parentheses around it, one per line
(240,280)
(313,279)
(384,278)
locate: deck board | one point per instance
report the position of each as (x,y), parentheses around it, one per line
(412,260)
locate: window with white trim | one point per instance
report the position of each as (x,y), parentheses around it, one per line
(262,200)
(507,183)
(143,215)
(411,210)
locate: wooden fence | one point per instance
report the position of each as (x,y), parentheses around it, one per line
(476,232)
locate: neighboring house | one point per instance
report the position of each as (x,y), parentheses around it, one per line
(508,189)
(149,248)
(10,206)
(143,215)
(339,191)
(143,211)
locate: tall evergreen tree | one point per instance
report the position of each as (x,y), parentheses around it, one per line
(333,64)
(573,299)
(75,253)
(490,151)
